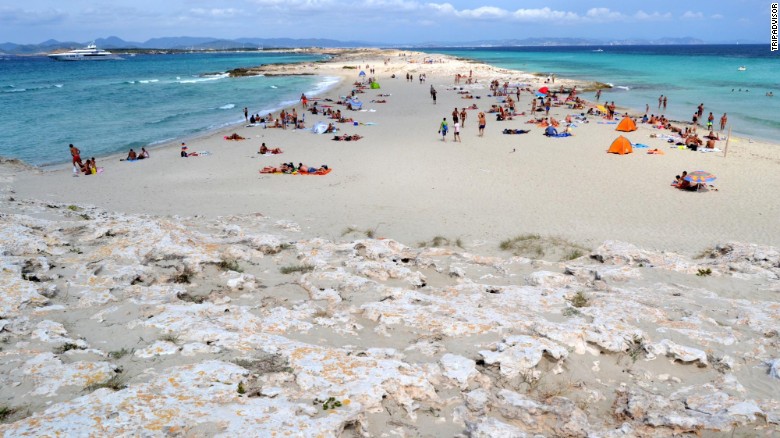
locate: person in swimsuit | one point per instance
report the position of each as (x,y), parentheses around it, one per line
(481,121)
(76,154)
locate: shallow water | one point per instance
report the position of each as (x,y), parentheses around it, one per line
(687,75)
(111,106)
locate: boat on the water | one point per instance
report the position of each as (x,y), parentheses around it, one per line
(89,53)
(742,68)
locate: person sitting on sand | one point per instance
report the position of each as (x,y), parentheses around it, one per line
(144,154)
(132,155)
(185,153)
(234,136)
(551,131)
(330,128)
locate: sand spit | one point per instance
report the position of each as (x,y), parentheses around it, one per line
(122,324)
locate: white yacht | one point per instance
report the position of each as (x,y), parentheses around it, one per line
(89,53)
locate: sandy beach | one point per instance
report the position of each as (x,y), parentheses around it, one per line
(408,274)
(403,181)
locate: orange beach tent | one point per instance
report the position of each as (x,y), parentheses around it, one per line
(621,146)
(626,125)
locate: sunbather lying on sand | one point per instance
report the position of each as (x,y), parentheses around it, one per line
(347,137)
(234,136)
(516,131)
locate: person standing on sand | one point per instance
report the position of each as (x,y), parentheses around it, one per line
(246,114)
(598,95)
(660,101)
(723,120)
(455,115)
(481,121)
(443,127)
(456,132)
(463,117)
(664,103)
(76,154)
(710,119)
(304,101)
(433,94)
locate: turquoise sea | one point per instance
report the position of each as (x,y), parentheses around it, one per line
(689,75)
(111,106)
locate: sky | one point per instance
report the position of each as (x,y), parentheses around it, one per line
(384,21)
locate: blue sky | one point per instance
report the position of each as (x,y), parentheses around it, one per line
(391,21)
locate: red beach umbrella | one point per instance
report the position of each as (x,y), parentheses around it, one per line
(544,90)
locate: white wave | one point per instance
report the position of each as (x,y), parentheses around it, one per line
(204,78)
(324,85)
(58,85)
(274,86)
(228,106)
(148,81)
(623,87)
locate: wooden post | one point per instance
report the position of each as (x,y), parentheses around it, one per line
(726,148)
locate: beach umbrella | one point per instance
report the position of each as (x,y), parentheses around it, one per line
(699,177)
(544,90)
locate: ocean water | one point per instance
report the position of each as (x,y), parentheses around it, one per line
(687,75)
(111,106)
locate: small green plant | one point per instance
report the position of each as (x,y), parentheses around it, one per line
(330,403)
(524,244)
(704,272)
(170,337)
(579,300)
(370,234)
(293,268)
(118,354)
(570,311)
(241,389)
(185,296)
(439,241)
(183,275)
(85,216)
(573,254)
(115,383)
(268,363)
(66,347)
(74,208)
(230,265)
(6,412)
(636,347)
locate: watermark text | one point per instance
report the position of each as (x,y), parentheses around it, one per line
(773,27)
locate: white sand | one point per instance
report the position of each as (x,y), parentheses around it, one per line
(404,182)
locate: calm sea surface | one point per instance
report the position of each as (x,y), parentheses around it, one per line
(688,75)
(112,106)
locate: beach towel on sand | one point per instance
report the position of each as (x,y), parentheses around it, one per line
(560,134)
(516,131)
(316,172)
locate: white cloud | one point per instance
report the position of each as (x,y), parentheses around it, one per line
(644,16)
(690,15)
(22,17)
(604,14)
(716,16)
(216,13)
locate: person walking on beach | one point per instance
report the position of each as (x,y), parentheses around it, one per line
(660,101)
(598,94)
(463,117)
(443,128)
(455,115)
(76,154)
(723,120)
(547,104)
(304,101)
(433,94)
(246,114)
(481,121)
(664,103)
(710,119)
(456,132)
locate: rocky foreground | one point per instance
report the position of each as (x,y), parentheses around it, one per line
(114,325)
